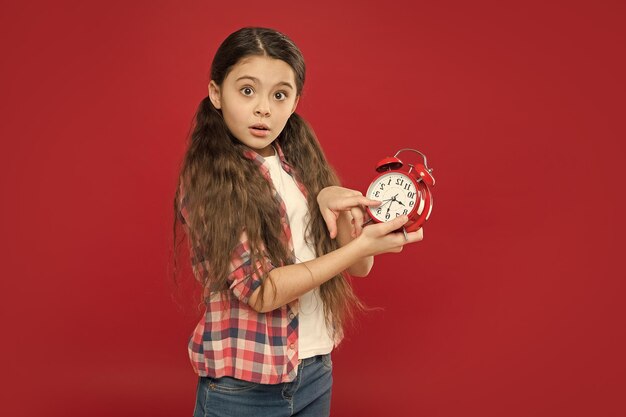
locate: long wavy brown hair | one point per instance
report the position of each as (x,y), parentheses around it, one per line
(225,193)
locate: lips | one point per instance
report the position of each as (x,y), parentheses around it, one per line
(260,126)
(260,130)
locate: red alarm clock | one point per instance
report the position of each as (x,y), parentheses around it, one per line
(402,191)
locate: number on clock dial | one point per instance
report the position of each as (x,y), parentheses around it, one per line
(398,194)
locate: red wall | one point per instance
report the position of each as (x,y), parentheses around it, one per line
(511,306)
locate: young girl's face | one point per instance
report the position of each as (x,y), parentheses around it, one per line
(256,98)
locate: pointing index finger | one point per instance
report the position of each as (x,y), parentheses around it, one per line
(353,201)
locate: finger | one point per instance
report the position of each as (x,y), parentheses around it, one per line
(353,229)
(348,202)
(369,202)
(416,236)
(357,220)
(331,222)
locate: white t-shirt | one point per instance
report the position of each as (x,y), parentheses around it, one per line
(313,337)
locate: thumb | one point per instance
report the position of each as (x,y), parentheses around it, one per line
(394,224)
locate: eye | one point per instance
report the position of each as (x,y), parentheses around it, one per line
(247,91)
(280,95)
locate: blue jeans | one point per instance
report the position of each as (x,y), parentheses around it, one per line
(308,395)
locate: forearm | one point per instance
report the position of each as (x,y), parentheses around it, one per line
(292,281)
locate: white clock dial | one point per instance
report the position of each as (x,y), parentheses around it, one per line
(398,194)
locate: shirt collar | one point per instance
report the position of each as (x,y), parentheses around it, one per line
(265,168)
(260,161)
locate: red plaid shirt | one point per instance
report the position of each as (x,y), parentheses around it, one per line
(232,339)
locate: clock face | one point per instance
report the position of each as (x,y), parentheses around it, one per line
(399,196)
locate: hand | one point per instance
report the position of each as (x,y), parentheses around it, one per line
(382,238)
(333,200)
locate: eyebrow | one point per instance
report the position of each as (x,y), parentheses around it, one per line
(256,80)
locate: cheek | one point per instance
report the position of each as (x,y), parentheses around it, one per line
(285,110)
(232,114)
(284,117)
(231,123)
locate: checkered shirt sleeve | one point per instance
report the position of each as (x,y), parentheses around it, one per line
(244,277)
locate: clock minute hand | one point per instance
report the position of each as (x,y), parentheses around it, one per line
(379,207)
(384,202)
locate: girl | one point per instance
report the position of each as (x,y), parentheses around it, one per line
(271,234)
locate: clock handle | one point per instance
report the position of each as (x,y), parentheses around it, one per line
(418,152)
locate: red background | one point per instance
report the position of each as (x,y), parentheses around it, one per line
(511,306)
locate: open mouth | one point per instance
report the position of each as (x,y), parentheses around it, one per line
(260,130)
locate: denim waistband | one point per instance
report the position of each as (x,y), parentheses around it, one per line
(312,359)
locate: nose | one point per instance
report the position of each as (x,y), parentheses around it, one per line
(262,108)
